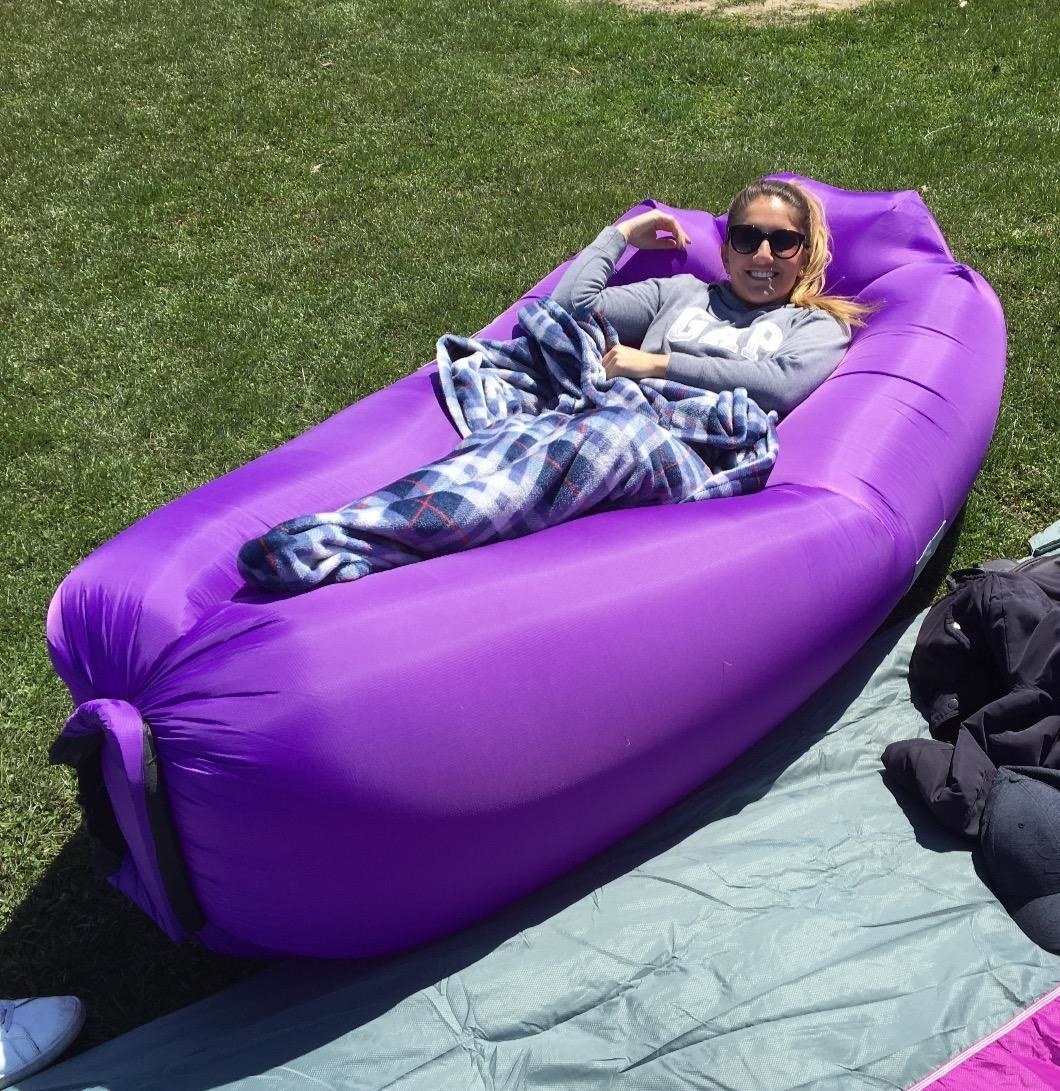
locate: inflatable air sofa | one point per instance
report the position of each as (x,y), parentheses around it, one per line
(365,767)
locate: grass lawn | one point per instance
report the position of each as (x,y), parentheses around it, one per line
(223,221)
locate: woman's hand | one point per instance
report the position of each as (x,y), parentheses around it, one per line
(641,231)
(634,364)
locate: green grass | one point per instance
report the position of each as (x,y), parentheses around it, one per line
(223,221)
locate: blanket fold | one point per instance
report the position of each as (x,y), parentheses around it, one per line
(548,437)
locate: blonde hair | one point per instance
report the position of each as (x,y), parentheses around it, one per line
(809,290)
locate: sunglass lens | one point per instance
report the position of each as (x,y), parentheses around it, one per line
(784,243)
(745,238)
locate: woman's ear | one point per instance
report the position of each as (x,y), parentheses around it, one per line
(725,255)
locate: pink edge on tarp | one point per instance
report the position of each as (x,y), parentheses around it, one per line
(1022,1054)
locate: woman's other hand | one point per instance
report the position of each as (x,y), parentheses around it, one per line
(642,231)
(634,364)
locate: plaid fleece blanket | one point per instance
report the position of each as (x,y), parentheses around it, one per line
(547,437)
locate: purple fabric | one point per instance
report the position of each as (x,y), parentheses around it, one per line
(384,761)
(122,762)
(1022,1055)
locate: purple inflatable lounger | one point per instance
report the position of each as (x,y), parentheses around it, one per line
(371,765)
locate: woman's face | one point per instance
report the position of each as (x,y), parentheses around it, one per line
(760,278)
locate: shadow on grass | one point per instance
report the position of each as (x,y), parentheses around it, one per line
(75,934)
(295,1007)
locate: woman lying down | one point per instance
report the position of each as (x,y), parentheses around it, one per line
(571,418)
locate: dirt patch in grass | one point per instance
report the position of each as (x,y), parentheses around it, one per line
(749,8)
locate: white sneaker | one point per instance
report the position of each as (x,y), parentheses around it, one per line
(33,1032)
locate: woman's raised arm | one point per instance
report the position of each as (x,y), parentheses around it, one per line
(630,308)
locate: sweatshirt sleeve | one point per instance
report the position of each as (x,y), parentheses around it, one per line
(810,352)
(630,308)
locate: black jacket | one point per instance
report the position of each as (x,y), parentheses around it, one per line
(985,673)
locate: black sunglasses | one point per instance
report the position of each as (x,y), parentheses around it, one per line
(783,243)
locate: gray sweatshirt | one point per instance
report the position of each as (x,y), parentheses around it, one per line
(780,353)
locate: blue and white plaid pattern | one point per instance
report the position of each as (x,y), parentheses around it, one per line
(548,438)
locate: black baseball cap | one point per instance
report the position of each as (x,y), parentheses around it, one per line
(1020,837)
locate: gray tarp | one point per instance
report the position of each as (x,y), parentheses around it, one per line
(791,925)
